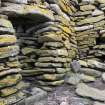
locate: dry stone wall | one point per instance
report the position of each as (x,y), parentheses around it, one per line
(90,23)
(10,76)
(90,30)
(38,37)
(52,41)
(47,42)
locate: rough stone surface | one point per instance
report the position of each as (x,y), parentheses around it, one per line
(37,95)
(48,43)
(87,91)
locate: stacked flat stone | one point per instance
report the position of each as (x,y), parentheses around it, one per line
(55,54)
(47,41)
(90,23)
(10,76)
(51,46)
(90,20)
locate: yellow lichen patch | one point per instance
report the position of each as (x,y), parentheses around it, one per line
(64,35)
(10,80)
(62,5)
(52,77)
(7,91)
(2,102)
(8,48)
(65,29)
(64,21)
(70,11)
(66,7)
(7,39)
(72,7)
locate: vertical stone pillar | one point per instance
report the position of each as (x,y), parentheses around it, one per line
(10,76)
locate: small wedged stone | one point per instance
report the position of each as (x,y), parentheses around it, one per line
(47,88)
(75,66)
(27,50)
(74,79)
(62,70)
(54,83)
(50,77)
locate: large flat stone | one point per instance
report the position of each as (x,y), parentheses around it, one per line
(96,64)
(38,95)
(33,12)
(90,92)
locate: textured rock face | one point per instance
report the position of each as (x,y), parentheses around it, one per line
(46,42)
(89,20)
(86,91)
(10,76)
